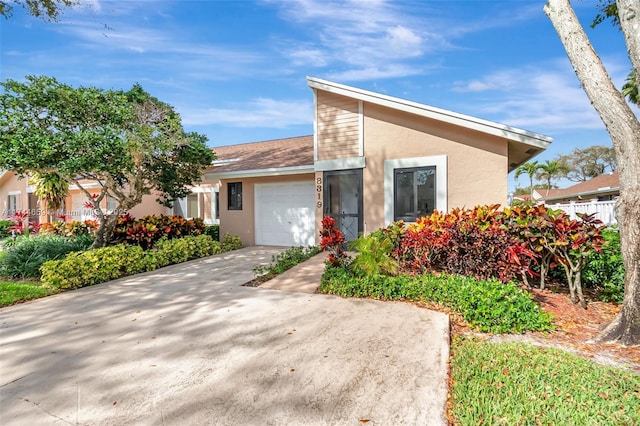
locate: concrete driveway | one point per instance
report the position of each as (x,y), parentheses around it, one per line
(187,345)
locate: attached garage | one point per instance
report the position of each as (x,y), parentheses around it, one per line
(285,214)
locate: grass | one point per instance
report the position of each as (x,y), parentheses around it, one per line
(520,384)
(19,291)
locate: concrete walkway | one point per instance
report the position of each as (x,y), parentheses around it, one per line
(188,345)
(302,278)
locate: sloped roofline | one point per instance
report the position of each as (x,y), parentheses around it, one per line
(497,129)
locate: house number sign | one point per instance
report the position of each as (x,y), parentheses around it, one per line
(319,193)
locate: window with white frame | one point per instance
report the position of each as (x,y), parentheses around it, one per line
(414,187)
(193,205)
(12,204)
(414,193)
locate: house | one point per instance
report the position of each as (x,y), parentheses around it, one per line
(16,194)
(604,187)
(372,159)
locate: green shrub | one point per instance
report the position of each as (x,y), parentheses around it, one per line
(213,231)
(374,255)
(109,263)
(4,228)
(94,266)
(183,249)
(490,306)
(24,258)
(231,242)
(604,270)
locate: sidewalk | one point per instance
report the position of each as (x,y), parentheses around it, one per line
(302,278)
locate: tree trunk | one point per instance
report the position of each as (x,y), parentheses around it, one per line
(624,129)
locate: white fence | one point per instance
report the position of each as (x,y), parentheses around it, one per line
(604,210)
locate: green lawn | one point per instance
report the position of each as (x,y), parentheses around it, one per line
(19,291)
(520,384)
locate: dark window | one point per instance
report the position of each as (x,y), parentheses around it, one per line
(217,205)
(234,195)
(414,193)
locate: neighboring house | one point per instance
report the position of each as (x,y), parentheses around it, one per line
(605,187)
(372,159)
(16,194)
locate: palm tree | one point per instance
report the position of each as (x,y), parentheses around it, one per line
(630,88)
(551,169)
(529,168)
(51,188)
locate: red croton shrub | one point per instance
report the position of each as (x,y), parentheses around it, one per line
(147,230)
(469,242)
(332,240)
(69,229)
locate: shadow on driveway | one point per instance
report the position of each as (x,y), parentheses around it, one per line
(188,345)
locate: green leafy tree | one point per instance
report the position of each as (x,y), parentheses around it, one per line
(49,10)
(128,144)
(586,163)
(623,127)
(530,169)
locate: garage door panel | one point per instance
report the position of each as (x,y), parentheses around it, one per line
(284,214)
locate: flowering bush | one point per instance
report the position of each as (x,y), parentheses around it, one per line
(332,240)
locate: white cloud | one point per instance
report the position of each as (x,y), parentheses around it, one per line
(372,38)
(546,97)
(373,73)
(260,112)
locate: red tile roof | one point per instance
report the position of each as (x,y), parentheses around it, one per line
(608,182)
(277,153)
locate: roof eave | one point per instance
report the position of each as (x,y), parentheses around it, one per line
(462,120)
(272,171)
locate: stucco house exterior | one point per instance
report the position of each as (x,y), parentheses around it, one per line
(16,194)
(372,159)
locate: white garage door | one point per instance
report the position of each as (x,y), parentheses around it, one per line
(285,214)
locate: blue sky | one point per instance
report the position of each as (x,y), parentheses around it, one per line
(235,70)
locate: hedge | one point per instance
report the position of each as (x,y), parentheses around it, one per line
(104,264)
(490,306)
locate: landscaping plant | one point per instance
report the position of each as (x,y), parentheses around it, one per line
(24,258)
(604,270)
(332,240)
(147,230)
(488,305)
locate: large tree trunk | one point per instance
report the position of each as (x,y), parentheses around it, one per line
(624,129)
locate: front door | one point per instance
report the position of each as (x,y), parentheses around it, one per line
(343,201)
